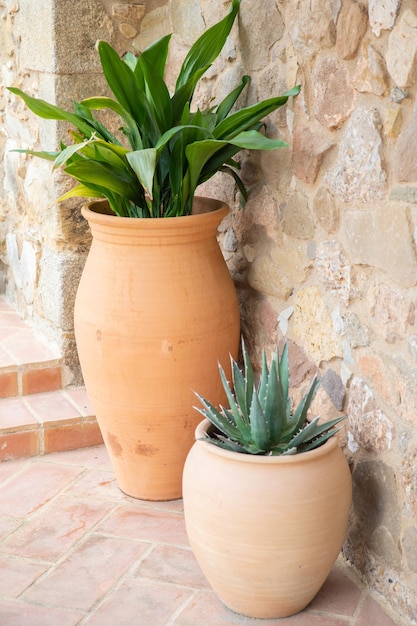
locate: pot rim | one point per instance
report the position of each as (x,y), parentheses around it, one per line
(301,457)
(99,212)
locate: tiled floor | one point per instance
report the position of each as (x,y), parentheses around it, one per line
(76,550)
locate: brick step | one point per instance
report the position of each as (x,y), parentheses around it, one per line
(37,415)
(47,422)
(27,363)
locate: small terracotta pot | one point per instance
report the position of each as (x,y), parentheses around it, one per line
(155,310)
(266,530)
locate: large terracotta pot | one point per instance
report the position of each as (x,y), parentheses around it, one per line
(266,530)
(155,310)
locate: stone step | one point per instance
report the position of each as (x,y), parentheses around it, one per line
(37,415)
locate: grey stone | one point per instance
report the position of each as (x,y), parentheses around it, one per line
(333,386)
(370,426)
(409,544)
(355,332)
(376,505)
(358,173)
(402,193)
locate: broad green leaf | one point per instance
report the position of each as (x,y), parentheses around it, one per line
(254,140)
(49,156)
(97,103)
(68,152)
(143,163)
(156,55)
(102,174)
(103,102)
(227,104)
(119,77)
(51,112)
(198,154)
(245,118)
(157,94)
(207,47)
(183,96)
(80,191)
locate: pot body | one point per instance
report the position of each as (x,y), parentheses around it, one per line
(155,311)
(266,531)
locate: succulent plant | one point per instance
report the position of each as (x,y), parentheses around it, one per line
(260,418)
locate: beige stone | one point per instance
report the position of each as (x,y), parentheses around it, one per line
(382,14)
(308,151)
(393,121)
(334,99)
(351,27)
(363,232)
(298,221)
(402,49)
(313,325)
(389,311)
(405,158)
(326,210)
(370,74)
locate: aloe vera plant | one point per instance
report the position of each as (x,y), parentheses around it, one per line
(260,418)
(171,149)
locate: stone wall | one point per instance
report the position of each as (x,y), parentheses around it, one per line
(323,254)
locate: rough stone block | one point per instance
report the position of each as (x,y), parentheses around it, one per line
(370,426)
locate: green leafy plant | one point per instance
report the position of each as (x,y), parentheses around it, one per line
(171,150)
(260,418)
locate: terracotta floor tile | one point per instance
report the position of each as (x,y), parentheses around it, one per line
(15,415)
(146,525)
(9,468)
(206,604)
(16,575)
(372,613)
(54,529)
(71,436)
(338,595)
(91,458)
(140,602)
(52,407)
(5,359)
(25,348)
(8,384)
(16,613)
(41,380)
(174,565)
(33,487)
(85,576)
(7,526)
(19,445)
(97,485)
(79,397)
